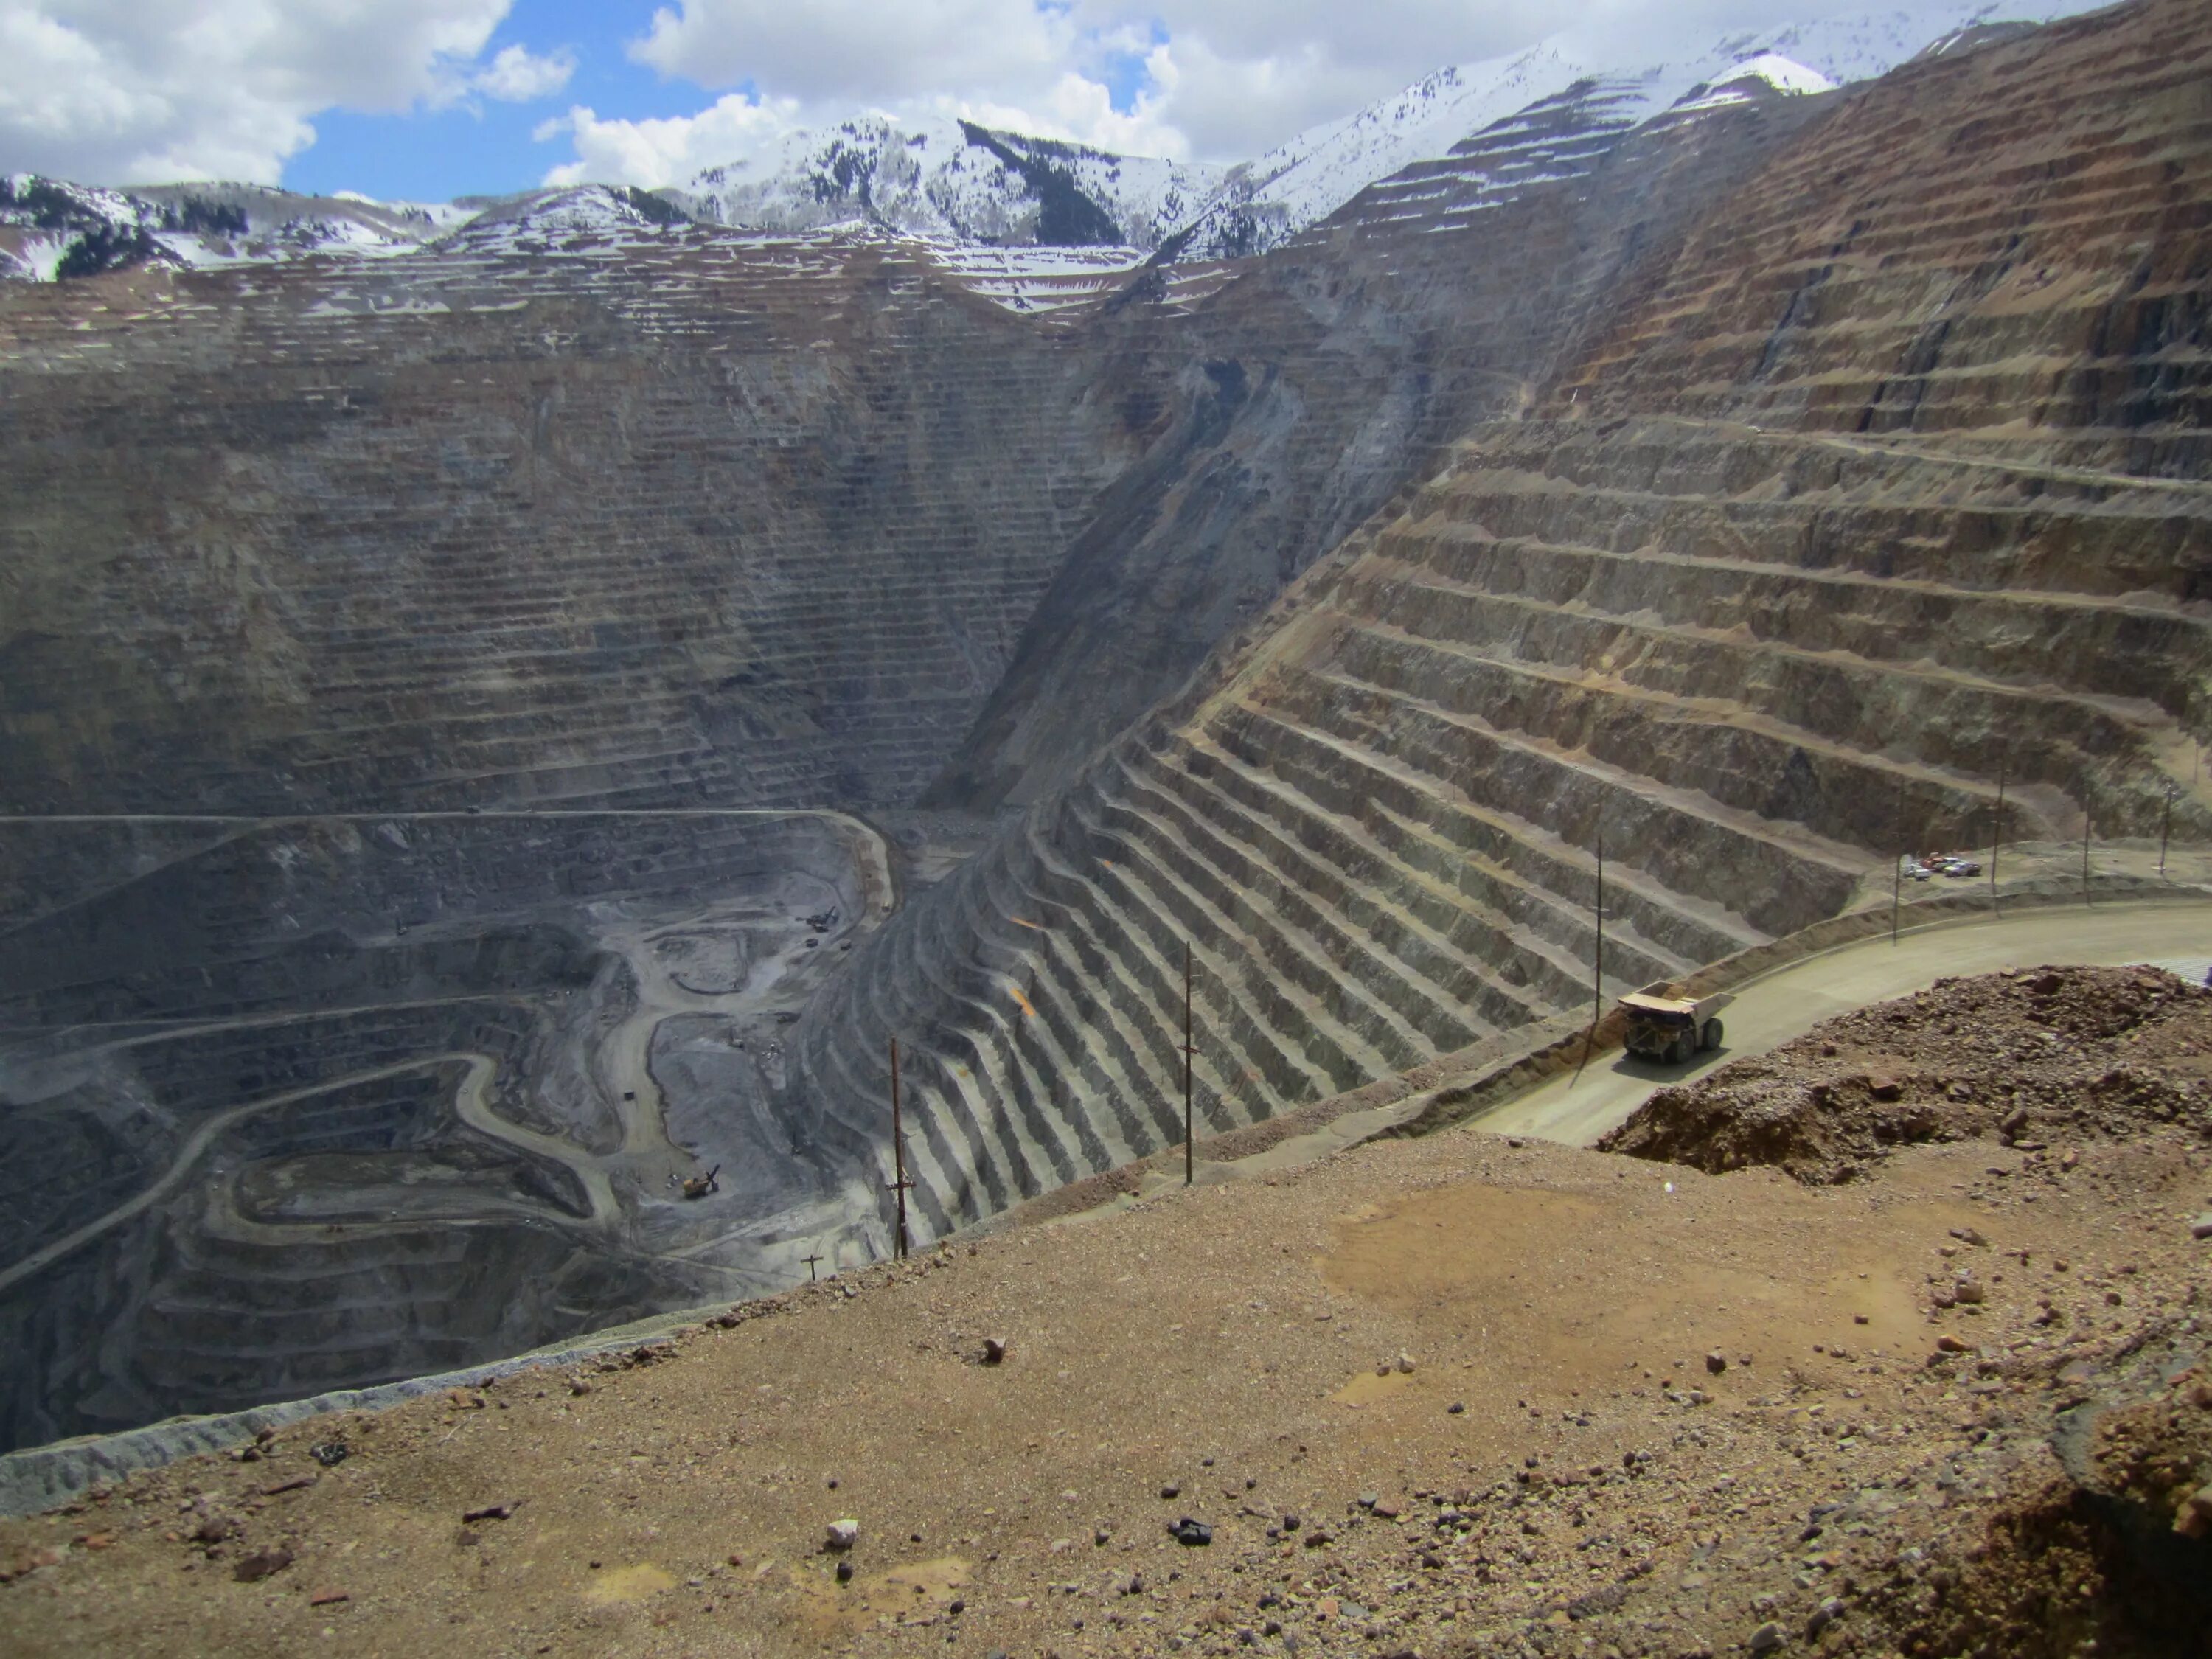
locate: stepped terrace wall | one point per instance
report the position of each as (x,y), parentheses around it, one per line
(688,518)
(321,1101)
(1755,661)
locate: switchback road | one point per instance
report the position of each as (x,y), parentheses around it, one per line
(1791,1001)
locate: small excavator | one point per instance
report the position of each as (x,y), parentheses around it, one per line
(700,1186)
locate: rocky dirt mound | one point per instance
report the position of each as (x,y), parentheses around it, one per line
(2112,1555)
(2032,1059)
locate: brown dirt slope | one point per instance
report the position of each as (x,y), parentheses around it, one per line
(2025,1059)
(1946,1408)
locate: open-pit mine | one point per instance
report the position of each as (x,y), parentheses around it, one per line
(499,740)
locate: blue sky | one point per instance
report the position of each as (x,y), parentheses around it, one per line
(432,99)
(484,146)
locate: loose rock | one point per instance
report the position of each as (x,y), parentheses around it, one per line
(262,1564)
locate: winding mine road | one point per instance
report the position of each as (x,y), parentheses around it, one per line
(469,1105)
(624,1059)
(1789,1001)
(869,852)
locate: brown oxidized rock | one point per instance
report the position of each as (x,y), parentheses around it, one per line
(262,1564)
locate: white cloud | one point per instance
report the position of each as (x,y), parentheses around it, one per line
(1222,79)
(1012,64)
(862,51)
(651,153)
(147,91)
(118,91)
(517,76)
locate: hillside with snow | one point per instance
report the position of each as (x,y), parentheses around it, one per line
(50,229)
(954,180)
(1266,202)
(1488,127)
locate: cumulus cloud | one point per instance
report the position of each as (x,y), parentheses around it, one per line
(518,76)
(861,50)
(1217,80)
(148,91)
(122,91)
(651,153)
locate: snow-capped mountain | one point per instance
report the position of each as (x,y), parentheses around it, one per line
(50,229)
(566,210)
(1472,131)
(1265,201)
(946,179)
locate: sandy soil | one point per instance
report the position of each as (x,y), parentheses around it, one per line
(1641,1409)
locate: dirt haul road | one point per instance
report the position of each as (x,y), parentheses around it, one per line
(1791,1001)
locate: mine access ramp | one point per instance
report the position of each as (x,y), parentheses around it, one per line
(1665,1023)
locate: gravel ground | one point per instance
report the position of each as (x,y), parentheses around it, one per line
(1448,1395)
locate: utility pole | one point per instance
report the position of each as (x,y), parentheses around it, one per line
(2084,844)
(810,1261)
(899,1183)
(2165,831)
(1897,871)
(1996,831)
(1597,960)
(1189,1127)
(1597,957)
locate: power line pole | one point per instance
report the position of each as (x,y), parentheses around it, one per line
(810,1261)
(2164,831)
(1997,830)
(1597,960)
(1896,870)
(1189,1127)
(900,1183)
(2085,843)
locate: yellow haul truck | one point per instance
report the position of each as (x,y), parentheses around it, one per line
(1666,1025)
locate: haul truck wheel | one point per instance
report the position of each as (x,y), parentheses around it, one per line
(1712,1036)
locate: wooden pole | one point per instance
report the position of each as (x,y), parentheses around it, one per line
(1189,1124)
(2165,831)
(810,1260)
(899,1183)
(1897,873)
(2085,846)
(1597,960)
(1996,831)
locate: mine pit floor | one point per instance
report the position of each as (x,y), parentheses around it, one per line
(1639,1407)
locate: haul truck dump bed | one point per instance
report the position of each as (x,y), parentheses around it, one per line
(1666,1025)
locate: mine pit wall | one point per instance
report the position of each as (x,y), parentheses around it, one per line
(1321,382)
(709,522)
(2004,247)
(1762,647)
(285,999)
(1787,535)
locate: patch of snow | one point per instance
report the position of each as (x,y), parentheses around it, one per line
(948,180)
(1482,106)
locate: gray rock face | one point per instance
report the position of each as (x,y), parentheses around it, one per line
(473,604)
(1777,568)
(335,1101)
